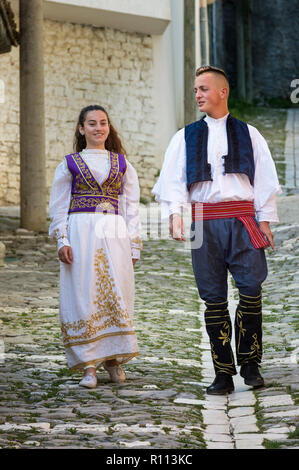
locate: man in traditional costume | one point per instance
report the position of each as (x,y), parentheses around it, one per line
(223,167)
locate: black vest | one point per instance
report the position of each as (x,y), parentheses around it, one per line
(238,160)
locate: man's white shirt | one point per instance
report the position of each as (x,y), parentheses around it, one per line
(171,188)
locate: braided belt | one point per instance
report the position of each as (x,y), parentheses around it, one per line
(242,210)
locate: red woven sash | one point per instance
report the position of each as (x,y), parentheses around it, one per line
(243,210)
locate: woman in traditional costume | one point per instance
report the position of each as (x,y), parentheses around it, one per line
(93,207)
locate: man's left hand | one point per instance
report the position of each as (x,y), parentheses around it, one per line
(265,228)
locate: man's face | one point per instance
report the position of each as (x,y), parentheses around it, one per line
(209,92)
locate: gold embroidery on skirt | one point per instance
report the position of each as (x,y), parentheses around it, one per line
(109,311)
(99,361)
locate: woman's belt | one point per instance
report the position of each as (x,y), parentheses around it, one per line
(242,210)
(91,203)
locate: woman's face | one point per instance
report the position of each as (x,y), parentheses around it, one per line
(95,129)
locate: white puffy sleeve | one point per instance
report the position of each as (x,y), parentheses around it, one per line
(59,204)
(266,184)
(171,188)
(130,209)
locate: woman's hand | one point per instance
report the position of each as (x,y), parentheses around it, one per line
(265,228)
(134,261)
(65,254)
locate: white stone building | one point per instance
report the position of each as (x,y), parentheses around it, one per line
(123,54)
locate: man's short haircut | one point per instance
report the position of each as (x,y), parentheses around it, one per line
(211,68)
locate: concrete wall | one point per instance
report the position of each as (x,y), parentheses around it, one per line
(164,96)
(189,61)
(146,17)
(178,47)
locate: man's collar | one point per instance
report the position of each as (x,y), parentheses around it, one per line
(212,121)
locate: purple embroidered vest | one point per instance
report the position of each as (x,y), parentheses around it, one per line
(90,196)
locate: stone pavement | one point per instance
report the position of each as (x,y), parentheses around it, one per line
(291,153)
(163,404)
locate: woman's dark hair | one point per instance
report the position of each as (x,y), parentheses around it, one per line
(113,142)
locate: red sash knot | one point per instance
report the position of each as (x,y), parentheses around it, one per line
(242,210)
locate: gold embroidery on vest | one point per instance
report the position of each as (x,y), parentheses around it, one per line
(89,202)
(87,186)
(85,172)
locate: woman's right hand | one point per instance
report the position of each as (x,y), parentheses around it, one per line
(65,254)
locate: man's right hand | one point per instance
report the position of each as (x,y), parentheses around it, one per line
(176,227)
(65,254)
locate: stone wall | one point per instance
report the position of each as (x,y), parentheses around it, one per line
(83,65)
(274,44)
(9,129)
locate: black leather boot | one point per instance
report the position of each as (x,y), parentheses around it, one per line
(251,375)
(222,384)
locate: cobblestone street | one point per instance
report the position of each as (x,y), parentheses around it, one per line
(107,106)
(163,404)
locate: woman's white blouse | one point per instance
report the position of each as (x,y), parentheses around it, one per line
(171,187)
(60,197)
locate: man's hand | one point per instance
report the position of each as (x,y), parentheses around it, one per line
(65,254)
(176,227)
(265,228)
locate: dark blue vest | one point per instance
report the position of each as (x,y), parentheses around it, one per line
(239,158)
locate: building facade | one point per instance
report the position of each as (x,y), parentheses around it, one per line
(118,56)
(138,59)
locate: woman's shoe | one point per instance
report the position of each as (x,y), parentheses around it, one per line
(89,381)
(116,373)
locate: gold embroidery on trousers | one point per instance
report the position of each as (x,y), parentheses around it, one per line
(255,347)
(222,366)
(225,334)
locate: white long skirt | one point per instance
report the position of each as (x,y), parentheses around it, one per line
(97,292)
